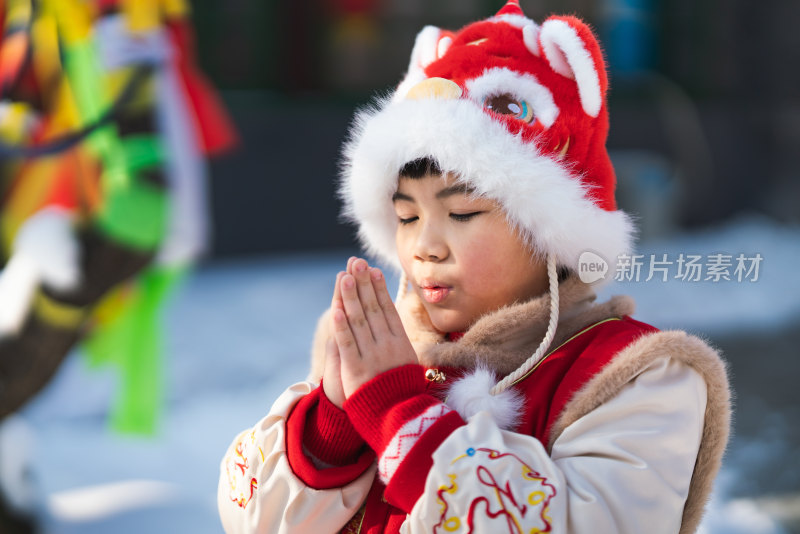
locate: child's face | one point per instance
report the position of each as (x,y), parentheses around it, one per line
(460,254)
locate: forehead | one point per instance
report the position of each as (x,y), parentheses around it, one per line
(434,187)
(434,184)
(440,190)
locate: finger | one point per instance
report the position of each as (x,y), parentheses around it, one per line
(337,292)
(332,375)
(350,261)
(390,314)
(355,315)
(345,341)
(369,303)
(332,358)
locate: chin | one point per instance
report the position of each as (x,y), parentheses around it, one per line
(448,320)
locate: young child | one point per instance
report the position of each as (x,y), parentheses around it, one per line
(497,396)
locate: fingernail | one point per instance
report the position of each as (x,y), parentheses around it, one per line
(361,265)
(348,282)
(376,274)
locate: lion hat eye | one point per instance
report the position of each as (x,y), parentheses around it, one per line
(506,104)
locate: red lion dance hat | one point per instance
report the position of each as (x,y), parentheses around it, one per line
(516,110)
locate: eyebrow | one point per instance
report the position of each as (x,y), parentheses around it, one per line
(401,196)
(456,189)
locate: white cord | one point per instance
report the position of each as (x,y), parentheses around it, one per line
(540,353)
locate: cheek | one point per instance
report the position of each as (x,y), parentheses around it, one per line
(483,260)
(496,264)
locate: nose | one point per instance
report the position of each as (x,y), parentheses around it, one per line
(435,88)
(430,245)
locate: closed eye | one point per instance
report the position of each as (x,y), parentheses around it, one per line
(462,217)
(408,220)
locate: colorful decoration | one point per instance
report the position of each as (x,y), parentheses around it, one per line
(240,466)
(507,508)
(105,122)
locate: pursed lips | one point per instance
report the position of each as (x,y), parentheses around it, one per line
(434,291)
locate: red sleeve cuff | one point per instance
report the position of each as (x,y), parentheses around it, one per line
(303,421)
(380,407)
(329,435)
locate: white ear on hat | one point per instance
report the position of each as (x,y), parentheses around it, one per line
(530,36)
(568,55)
(429,46)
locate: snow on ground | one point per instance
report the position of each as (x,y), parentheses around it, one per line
(239,332)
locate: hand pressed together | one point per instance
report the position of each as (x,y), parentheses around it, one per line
(369,337)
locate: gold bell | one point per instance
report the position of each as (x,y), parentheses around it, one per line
(435,375)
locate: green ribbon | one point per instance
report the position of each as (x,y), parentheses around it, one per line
(134,341)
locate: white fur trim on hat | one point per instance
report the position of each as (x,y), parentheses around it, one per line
(541,197)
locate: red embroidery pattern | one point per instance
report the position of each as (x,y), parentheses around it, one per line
(242,483)
(525,511)
(241,500)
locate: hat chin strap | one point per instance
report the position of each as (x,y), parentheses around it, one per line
(541,352)
(538,356)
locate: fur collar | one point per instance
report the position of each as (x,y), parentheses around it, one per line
(502,340)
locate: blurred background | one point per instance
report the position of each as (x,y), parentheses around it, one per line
(705,136)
